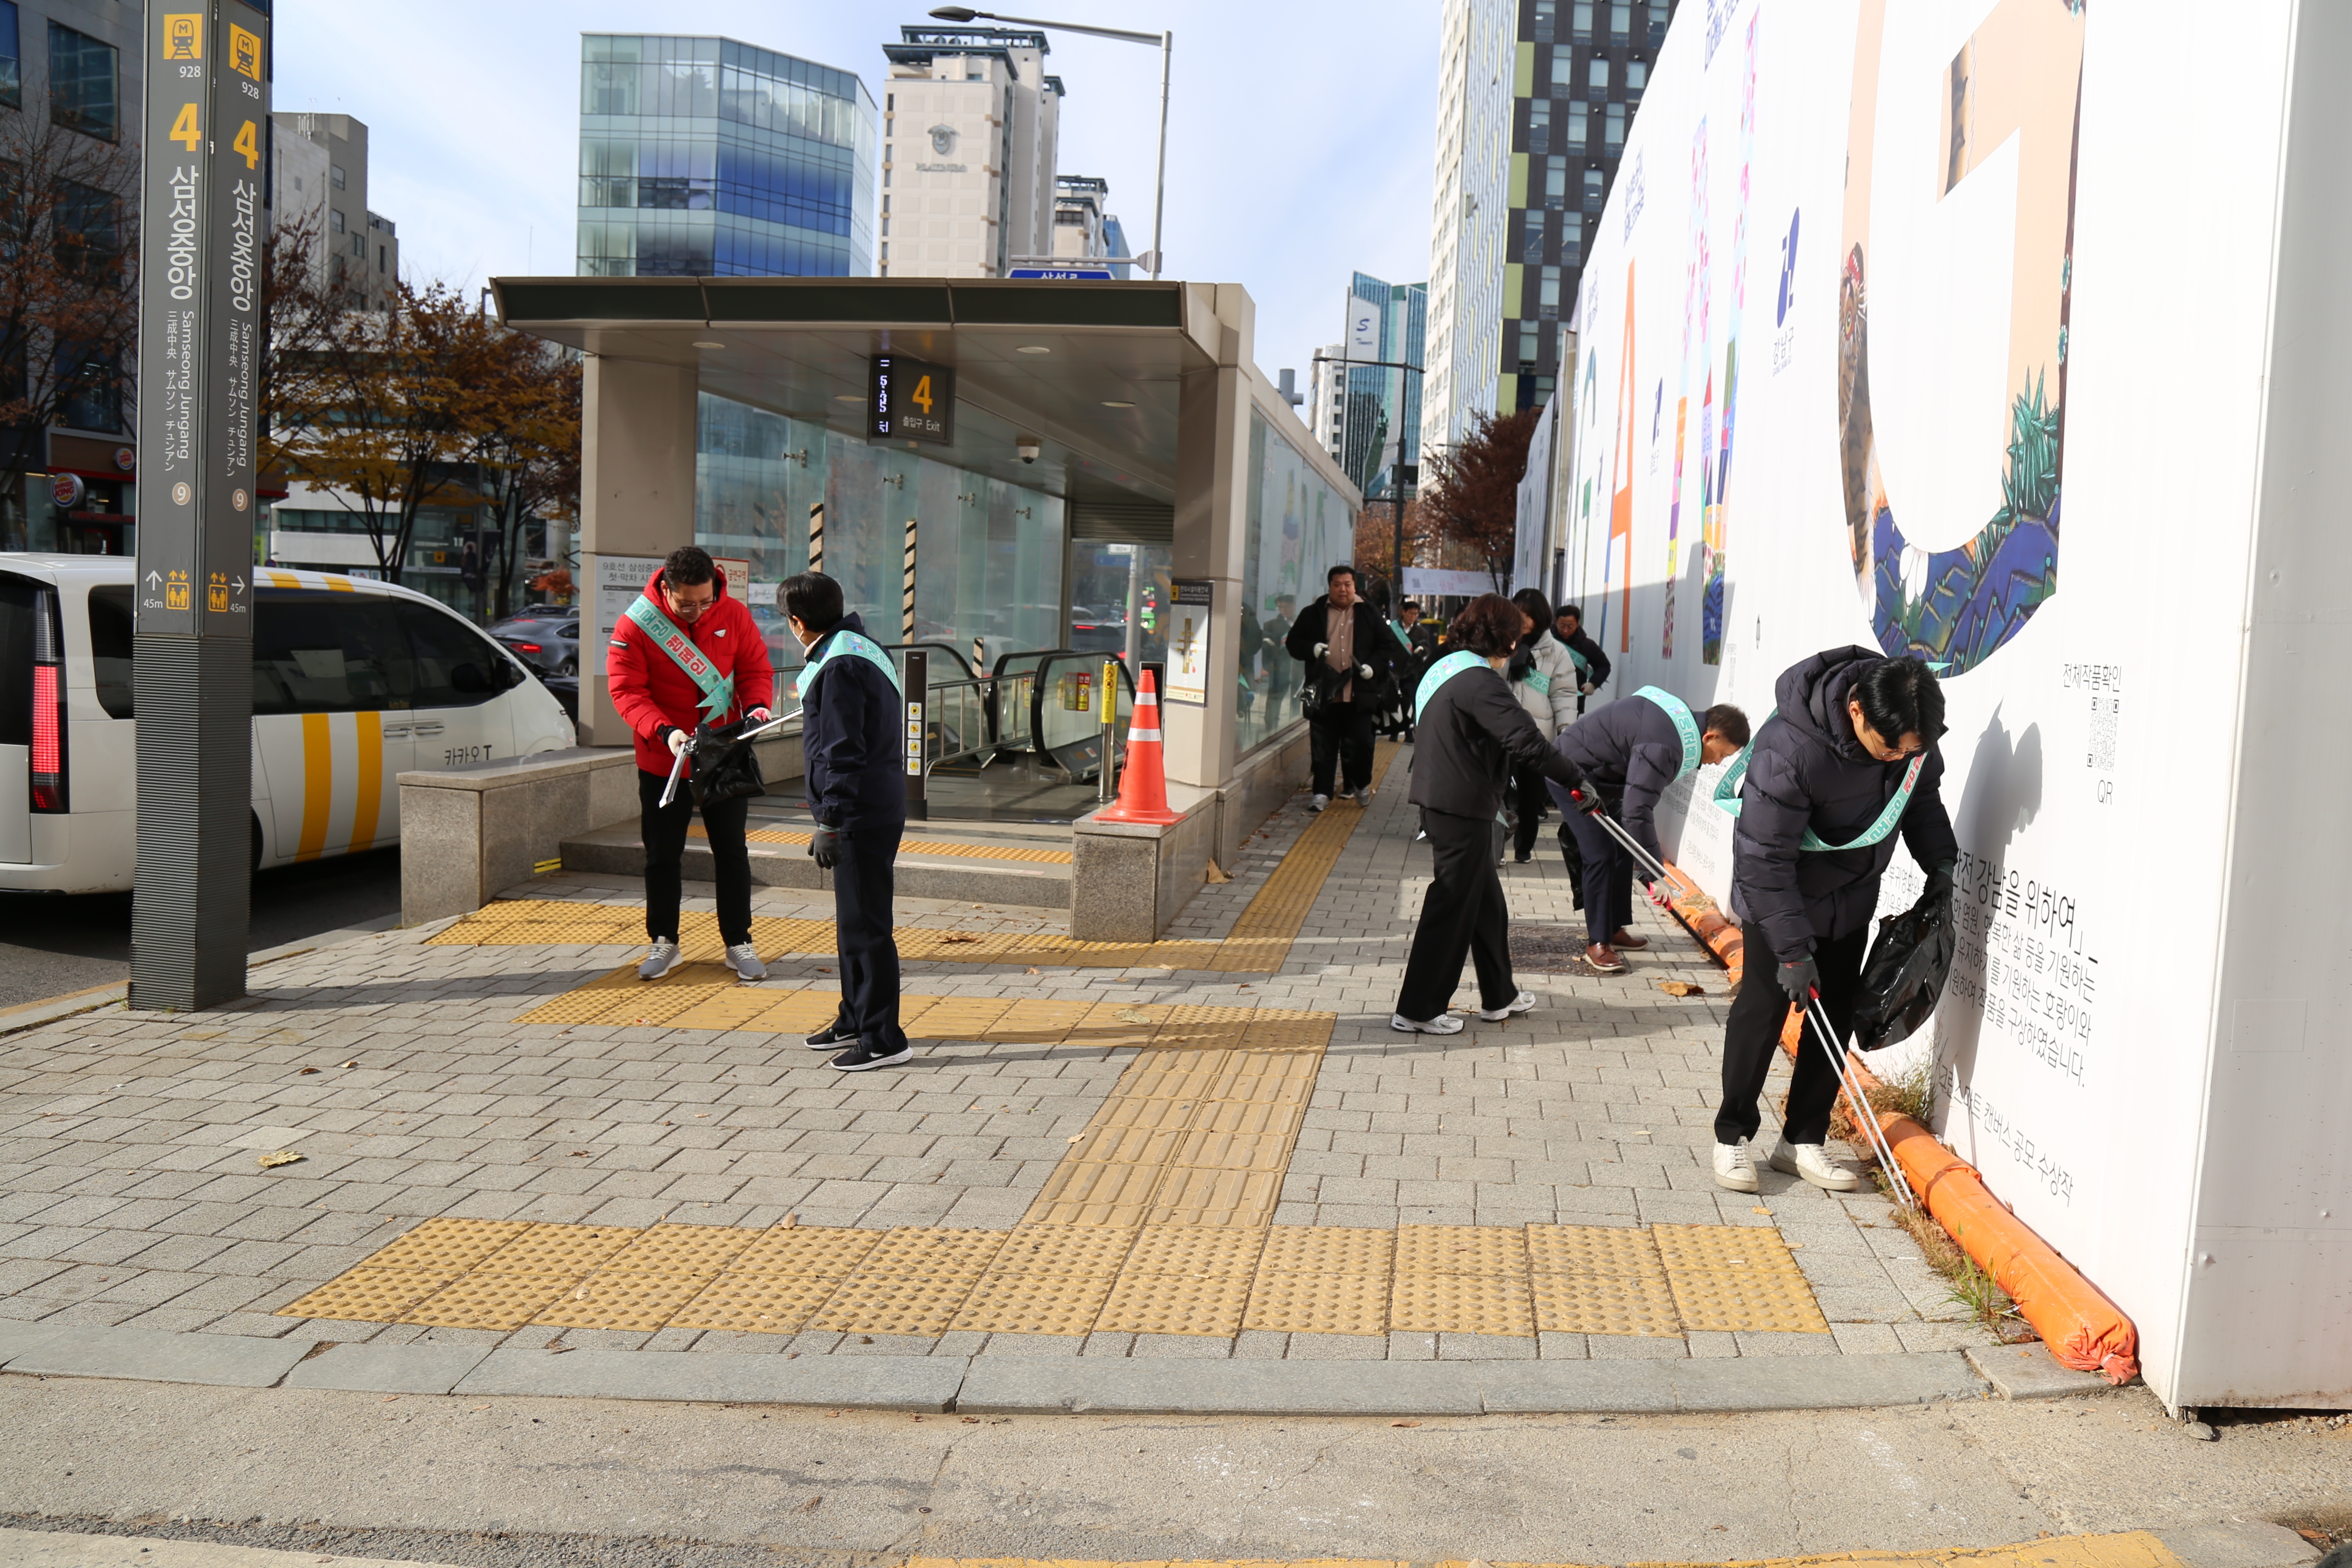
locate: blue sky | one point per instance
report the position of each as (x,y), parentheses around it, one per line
(1300,132)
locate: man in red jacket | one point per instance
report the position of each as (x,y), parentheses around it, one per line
(687,653)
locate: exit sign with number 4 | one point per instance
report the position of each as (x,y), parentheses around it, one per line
(909,400)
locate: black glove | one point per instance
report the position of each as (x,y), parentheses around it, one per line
(1800,980)
(1937,899)
(1587,799)
(825,847)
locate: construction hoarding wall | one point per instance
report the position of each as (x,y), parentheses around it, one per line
(1901,330)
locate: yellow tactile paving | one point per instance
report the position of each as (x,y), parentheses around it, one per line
(1736,1276)
(1213,1197)
(680,1249)
(368,1295)
(640,1302)
(1609,1304)
(1294,1302)
(1064,1304)
(1461,1249)
(810,1250)
(757,1303)
(452,1246)
(559,1247)
(486,1301)
(916,846)
(2130,1549)
(1461,1304)
(1329,1249)
(1141,1303)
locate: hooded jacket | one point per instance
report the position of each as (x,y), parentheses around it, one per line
(1808,770)
(853,722)
(649,690)
(1466,743)
(1630,751)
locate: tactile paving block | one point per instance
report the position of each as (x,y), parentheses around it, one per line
(1175,1116)
(1245,1116)
(1605,1304)
(796,1012)
(923,1251)
(1287,1301)
(732,1009)
(681,1250)
(1734,1299)
(366,1295)
(1195,1197)
(1460,1304)
(814,1251)
(893,1304)
(1191,1249)
(1593,1249)
(1116,1146)
(1710,1248)
(1098,1184)
(1211,1151)
(1143,1303)
(1035,1303)
(558,1247)
(451,1246)
(639,1302)
(486,1301)
(1328,1249)
(757,1303)
(1482,1249)
(1063,1249)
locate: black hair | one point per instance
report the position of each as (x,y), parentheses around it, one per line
(1334,574)
(813,599)
(1488,625)
(1567,610)
(1413,604)
(1537,608)
(1726,721)
(1900,697)
(687,565)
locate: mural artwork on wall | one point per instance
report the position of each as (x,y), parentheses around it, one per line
(2020,76)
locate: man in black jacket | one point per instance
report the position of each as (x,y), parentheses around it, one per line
(852,716)
(1849,757)
(1569,628)
(1631,750)
(1351,659)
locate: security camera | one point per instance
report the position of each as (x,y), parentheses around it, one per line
(1027,446)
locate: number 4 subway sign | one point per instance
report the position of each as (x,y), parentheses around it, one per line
(200,314)
(908,400)
(201,319)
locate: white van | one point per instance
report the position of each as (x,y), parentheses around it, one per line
(354,683)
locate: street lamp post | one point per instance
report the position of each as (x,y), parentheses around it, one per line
(1166,42)
(1397,496)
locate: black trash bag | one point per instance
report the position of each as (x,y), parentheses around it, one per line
(725,768)
(1904,973)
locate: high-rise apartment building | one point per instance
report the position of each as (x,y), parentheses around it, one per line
(1326,400)
(1534,100)
(1379,404)
(320,162)
(970,125)
(703,156)
(1084,229)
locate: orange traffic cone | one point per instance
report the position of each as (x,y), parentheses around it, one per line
(1143,787)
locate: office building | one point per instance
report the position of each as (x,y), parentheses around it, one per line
(1083,226)
(1534,99)
(70,91)
(703,156)
(970,124)
(1326,400)
(320,162)
(1379,404)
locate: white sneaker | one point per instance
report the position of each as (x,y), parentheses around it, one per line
(1318,803)
(664,958)
(1443,1024)
(1734,1169)
(1364,796)
(1812,1161)
(1523,1002)
(744,960)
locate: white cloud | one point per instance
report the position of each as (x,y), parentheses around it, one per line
(1300,133)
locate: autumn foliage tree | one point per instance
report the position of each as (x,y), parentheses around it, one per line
(1471,492)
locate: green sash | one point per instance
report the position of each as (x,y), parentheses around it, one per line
(1443,670)
(1686,726)
(718,690)
(1727,795)
(1538,681)
(844,640)
(1404,639)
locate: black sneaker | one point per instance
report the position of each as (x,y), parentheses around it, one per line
(864,1058)
(832,1035)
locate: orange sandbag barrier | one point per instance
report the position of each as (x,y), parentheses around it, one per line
(1698,913)
(2082,1329)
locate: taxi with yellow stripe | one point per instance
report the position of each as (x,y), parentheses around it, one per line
(355,682)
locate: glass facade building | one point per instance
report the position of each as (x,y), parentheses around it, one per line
(703,157)
(1380,408)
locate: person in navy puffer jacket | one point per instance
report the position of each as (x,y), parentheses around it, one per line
(853,716)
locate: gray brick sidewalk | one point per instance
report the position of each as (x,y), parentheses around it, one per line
(130,1192)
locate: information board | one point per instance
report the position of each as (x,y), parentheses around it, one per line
(1189,641)
(910,400)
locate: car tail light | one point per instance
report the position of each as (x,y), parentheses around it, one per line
(48,762)
(526,647)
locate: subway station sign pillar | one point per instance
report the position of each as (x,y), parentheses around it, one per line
(201,319)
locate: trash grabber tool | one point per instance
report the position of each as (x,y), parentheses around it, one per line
(677,766)
(1863,1112)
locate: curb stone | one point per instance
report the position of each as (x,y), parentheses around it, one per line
(2031,1371)
(1004,1385)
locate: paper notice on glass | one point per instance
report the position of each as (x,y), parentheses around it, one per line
(1187,641)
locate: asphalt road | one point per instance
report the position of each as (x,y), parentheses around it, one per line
(515,1483)
(52,943)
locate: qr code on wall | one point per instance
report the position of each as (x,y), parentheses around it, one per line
(2101,757)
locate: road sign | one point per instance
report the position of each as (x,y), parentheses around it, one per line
(909,400)
(201,319)
(1086,273)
